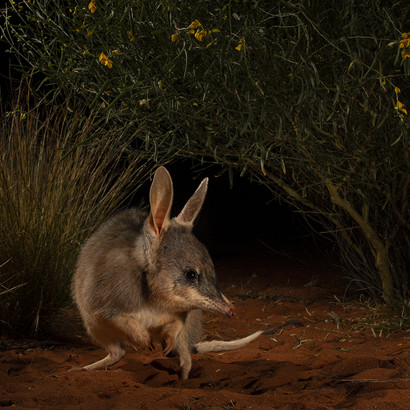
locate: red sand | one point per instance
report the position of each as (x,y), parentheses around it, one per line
(318,365)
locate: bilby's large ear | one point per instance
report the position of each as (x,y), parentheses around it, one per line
(193,206)
(160,198)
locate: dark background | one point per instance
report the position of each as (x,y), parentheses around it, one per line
(238,218)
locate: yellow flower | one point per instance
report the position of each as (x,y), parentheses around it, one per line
(195,24)
(105,61)
(131,36)
(92,7)
(405,54)
(176,37)
(200,34)
(115,52)
(397,90)
(239,46)
(405,45)
(406,40)
(400,107)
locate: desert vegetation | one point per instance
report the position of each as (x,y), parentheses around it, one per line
(53,191)
(308,99)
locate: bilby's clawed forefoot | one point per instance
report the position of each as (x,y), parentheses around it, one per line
(144,276)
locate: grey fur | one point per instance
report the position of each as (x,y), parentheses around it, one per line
(143,276)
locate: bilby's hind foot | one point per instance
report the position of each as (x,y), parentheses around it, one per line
(115,354)
(76,369)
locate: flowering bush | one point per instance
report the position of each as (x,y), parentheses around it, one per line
(309,99)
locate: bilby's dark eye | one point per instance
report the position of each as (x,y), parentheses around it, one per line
(191,275)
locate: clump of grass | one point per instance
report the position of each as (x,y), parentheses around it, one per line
(380,318)
(383,320)
(61,173)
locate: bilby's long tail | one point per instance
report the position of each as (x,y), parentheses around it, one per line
(221,345)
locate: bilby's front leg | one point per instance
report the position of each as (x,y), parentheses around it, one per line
(169,334)
(183,347)
(185,361)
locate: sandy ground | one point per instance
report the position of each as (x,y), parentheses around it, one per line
(324,362)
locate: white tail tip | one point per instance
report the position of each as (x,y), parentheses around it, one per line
(221,345)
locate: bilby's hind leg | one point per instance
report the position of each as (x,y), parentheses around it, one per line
(135,332)
(115,354)
(113,334)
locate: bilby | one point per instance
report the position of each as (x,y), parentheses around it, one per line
(143,276)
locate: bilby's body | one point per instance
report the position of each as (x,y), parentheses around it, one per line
(144,276)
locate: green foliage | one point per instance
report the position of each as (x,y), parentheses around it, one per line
(56,185)
(309,98)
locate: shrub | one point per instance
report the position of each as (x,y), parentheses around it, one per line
(57,183)
(308,98)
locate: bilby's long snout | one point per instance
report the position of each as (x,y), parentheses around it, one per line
(212,299)
(222,305)
(230,310)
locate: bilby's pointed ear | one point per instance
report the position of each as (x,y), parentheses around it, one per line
(160,198)
(193,206)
